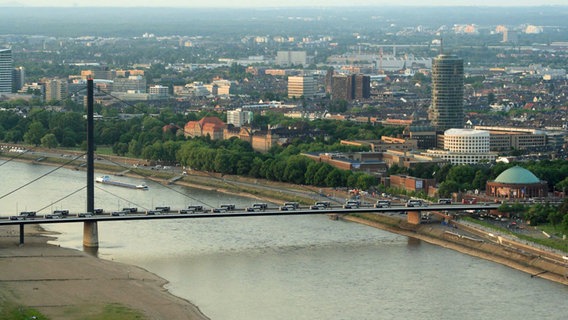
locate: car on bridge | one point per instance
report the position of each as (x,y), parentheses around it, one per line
(20,217)
(325,204)
(228,207)
(28,214)
(352,204)
(196,208)
(294,205)
(62,213)
(414,203)
(383,204)
(85,215)
(118,213)
(163,209)
(186,211)
(260,206)
(218,210)
(131,209)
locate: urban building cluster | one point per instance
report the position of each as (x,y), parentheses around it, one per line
(452,111)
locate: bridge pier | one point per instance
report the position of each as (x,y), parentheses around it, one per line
(413,217)
(90,234)
(21,233)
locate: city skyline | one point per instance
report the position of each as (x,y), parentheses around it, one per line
(274,3)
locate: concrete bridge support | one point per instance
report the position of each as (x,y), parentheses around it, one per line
(21,233)
(413,217)
(90,234)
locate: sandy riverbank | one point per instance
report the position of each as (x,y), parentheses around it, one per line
(69,284)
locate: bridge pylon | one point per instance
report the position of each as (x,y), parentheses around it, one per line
(90,229)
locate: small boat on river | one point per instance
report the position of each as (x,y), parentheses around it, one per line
(108,180)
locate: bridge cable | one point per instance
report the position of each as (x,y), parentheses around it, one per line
(63,198)
(207,173)
(38,178)
(121,198)
(16,157)
(164,186)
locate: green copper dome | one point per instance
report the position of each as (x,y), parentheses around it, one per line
(517,175)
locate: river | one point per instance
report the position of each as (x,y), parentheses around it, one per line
(305,267)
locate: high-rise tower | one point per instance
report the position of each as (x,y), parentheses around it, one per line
(6,70)
(447,92)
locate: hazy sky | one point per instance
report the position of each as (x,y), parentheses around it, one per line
(275,3)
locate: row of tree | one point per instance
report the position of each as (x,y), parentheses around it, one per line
(145,137)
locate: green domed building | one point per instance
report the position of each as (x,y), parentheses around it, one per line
(516,183)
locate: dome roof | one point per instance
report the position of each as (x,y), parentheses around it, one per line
(517,175)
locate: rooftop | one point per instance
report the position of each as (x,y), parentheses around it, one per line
(517,175)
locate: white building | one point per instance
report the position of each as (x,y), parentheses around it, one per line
(158,92)
(465,146)
(299,86)
(239,117)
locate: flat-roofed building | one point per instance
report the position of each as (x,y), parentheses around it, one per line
(18,79)
(384,144)
(238,117)
(291,58)
(464,146)
(56,89)
(508,138)
(425,135)
(349,87)
(159,92)
(6,67)
(301,86)
(132,83)
(447,92)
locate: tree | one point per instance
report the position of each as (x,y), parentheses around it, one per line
(223,162)
(35,132)
(120,148)
(334,178)
(49,141)
(448,187)
(135,148)
(463,175)
(295,169)
(255,168)
(366,182)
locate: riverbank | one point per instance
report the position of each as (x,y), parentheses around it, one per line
(475,242)
(470,241)
(69,284)
(228,185)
